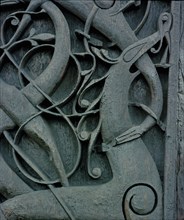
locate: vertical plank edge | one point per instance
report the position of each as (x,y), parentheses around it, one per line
(171,146)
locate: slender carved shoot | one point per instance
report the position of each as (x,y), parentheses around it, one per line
(11,2)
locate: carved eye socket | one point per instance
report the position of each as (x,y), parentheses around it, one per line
(104,4)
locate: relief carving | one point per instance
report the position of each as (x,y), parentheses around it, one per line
(83,109)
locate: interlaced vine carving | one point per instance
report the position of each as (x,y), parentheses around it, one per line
(51,117)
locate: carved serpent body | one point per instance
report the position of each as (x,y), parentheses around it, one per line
(125,171)
(37,128)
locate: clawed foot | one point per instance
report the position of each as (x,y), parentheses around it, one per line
(130,134)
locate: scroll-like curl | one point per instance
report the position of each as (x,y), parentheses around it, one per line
(139,199)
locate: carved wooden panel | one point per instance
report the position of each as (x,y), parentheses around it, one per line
(91,110)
